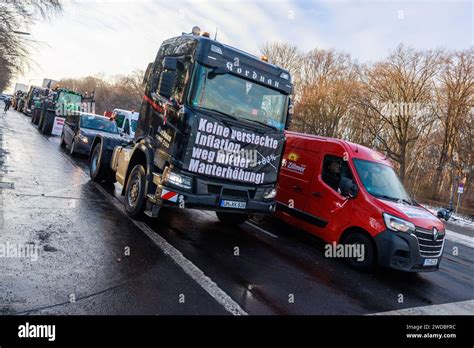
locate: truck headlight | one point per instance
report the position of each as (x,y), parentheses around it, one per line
(178,179)
(269,193)
(396,224)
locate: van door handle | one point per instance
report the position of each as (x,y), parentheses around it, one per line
(297,188)
(317,194)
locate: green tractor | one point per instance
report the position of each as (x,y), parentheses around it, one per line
(60,102)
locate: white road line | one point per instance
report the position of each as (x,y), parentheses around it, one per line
(206,283)
(454,308)
(460,238)
(187,266)
(260,229)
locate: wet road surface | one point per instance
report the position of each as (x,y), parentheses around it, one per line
(95,260)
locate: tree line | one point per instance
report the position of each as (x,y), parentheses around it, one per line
(15,46)
(415,106)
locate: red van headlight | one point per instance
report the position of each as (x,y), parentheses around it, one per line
(396,224)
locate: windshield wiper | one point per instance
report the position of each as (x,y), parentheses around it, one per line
(263,124)
(218,112)
(393,198)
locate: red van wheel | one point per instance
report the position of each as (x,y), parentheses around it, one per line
(367,262)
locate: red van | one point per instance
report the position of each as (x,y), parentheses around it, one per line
(346,194)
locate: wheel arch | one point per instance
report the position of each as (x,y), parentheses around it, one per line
(359,230)
(141,154)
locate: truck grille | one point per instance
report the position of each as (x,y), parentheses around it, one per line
(428,246)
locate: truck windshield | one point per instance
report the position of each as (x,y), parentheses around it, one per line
(99,123)
(69,98)
(381,181)
(239,98)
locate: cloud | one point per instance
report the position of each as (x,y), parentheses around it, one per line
(117,37)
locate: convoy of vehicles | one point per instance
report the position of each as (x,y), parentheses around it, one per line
(33,92)
(347,193)
(80,130)
(127,122)
(59,102)
(211,135)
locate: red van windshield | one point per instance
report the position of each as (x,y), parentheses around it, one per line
(381,181)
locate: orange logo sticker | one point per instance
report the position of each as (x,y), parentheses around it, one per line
(293,156)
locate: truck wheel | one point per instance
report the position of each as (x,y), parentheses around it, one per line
(72,148)
(99,170)
(63,142)
(48,123)
(37,117)
(231,218)
(135,192)
(367,262)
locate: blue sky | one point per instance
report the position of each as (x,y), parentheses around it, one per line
(119,36)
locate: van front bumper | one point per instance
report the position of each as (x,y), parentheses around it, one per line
(401,251)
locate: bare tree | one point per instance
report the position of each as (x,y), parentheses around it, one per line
(327,93)
(398,96)
(15,16)
(454,100)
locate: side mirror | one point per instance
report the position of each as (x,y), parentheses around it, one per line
(216,71)
(170,63)
(166,85)
(348,188)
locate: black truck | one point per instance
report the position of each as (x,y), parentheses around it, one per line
(59,102)
(210,133)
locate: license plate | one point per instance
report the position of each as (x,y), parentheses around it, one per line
(430,262)
(233,204)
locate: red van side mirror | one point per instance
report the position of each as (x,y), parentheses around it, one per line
(348,188)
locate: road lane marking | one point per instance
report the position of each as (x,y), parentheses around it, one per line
(260,229)
(187,266)
(460,238)
(454,308)
(206,283)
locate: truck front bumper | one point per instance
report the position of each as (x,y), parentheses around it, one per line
(210,194)
(401,251)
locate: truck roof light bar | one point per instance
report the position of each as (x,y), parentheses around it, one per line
(264,58)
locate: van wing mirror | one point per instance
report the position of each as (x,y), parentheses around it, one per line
(348,188)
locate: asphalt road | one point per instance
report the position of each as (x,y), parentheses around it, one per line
(94,260)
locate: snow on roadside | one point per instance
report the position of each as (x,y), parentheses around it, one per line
(455,219)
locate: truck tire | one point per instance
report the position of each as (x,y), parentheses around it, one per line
(368,262)
(99,169)
(72,147)
(135,192)
(63,142)
(48,123)
(231,218)
(36,117)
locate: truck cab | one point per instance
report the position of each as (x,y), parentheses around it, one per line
(346,193)
(58,102)
(127,122)
(210,133)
